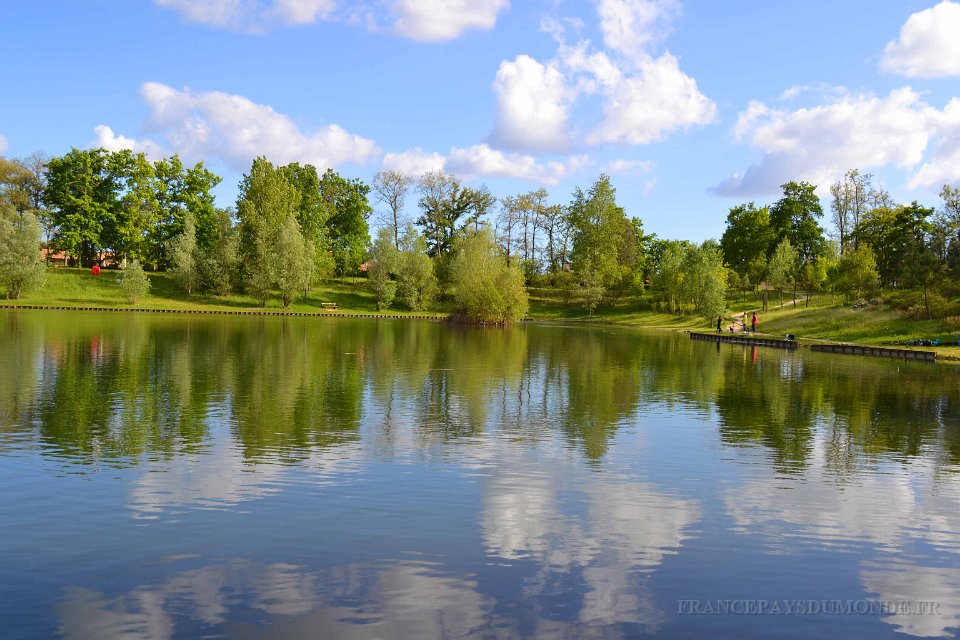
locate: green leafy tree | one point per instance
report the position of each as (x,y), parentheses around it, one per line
(134,283)
(487,290)
(783,266)
(180,190)
(446,207)
(599,233)
(292,264)
(21,264)
(856,273)
(183,256)
(705,279)
(137,213)
(669,276)
(82,195)
(795,217)
(748,235)
(347,230)
(416,282)
(219,263)
(266,199)
(380,265)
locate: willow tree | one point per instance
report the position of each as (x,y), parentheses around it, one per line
(486,288)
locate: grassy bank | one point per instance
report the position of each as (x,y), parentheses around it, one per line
(67,287)
(823,319)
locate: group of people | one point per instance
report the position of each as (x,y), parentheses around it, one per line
(753,323)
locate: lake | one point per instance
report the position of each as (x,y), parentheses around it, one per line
(167,476)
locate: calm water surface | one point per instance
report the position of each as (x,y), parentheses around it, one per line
(177,477)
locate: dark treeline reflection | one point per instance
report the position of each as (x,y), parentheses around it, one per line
(120,388)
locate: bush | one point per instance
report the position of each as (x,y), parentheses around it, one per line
(487,290)
(134,282)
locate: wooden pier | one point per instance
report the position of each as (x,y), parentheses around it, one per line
(742,338)
(846,349)
(880,352)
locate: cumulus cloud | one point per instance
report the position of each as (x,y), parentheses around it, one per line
(944,164)
(928,46)
(482,161)
(533,102)
(819,143)
(235,129)
(644,96)
(434,20)
(631,27)
(645,107)
(105,138)
(251,15)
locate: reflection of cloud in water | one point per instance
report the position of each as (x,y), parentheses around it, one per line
(902,581)
(888,507)
(407,600)
(625,530)
(221,477)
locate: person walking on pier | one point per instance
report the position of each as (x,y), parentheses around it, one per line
(719,324)
(753,322)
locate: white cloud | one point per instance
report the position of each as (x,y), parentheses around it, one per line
(944,165)
(819,143)
(628,167)
(632,27)
(251,15)
(425,20)
(199,125)
(105,138)
(434,20)
(533,102)
(644,97)
(482,161)
(3,143)
(413,163)
(928,46)
(645,107)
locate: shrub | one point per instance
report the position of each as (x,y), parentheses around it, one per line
(134,282)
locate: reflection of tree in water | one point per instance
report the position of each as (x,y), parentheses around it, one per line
(298,384)
(119,389)
(866,406)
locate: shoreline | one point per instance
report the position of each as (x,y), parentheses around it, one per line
(807,342)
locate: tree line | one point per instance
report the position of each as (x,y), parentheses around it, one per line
(292,227)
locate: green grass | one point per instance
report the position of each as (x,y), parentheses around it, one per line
(823,319)
(66,287)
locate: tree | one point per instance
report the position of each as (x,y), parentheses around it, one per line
(416,282)
(292,264)
(444,202)
(893,235)
(783,266)
(487,290)
(705,279)
(380,265)
(137,213)
(856,273)
(180,190)
(391,188)
(849,201)
(669,276)
(21,264)
(794,217)
(218,264)
(81,194)
(347,228)
(183,256)
(134,283)
(599,228)
(748,235)
(266,200)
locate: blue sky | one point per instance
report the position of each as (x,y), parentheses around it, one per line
(692,107)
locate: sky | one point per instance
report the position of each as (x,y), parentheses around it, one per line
(691,107)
